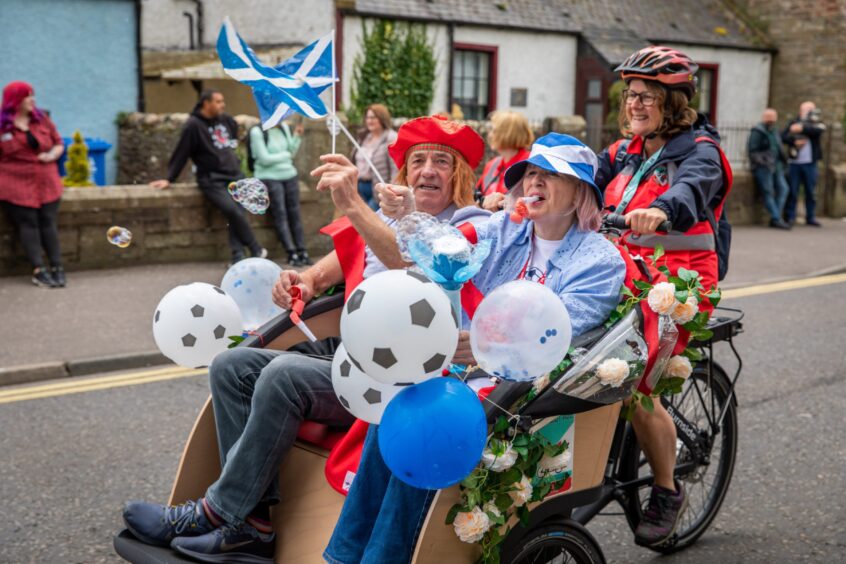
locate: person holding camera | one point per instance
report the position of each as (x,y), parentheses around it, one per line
(802,137)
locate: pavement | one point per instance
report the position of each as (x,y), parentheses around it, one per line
(102,321)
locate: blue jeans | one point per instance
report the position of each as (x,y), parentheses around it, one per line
(260,398)
(802,174)
(774,187)
(382,515)
(365,190)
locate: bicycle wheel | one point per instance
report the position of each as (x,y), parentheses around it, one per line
(701,401)
(564,542)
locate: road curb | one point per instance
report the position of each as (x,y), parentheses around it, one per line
(30,373)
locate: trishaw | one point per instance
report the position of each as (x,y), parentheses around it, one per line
(607,463)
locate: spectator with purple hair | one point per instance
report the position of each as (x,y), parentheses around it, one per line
(30,187)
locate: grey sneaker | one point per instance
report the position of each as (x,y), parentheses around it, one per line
(661,516)
(158,524)
(243,544)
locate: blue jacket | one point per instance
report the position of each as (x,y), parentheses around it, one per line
(586,271)
(697,179)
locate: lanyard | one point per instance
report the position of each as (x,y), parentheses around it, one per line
(631,187)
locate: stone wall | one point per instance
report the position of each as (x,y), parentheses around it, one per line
(174,225)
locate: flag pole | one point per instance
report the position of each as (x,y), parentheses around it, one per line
(334,127)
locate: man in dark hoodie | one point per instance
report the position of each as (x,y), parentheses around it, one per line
(209,138)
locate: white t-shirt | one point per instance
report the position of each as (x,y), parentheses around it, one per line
(542,250)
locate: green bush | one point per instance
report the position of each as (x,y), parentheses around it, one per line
(77,166)
(395,67)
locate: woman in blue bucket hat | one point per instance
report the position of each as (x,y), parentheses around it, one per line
(553,242)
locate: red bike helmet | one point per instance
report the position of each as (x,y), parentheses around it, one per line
(670,67)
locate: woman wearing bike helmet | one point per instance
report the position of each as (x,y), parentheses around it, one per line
(672,169)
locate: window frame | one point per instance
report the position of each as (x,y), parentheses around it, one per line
(714,68)
(493,52)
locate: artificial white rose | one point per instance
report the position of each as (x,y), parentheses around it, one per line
(685,312)
(679,367)
(501,462)
(555,464)
(471,526)
(540,383)
(522,492)
(613,372)
(662,298)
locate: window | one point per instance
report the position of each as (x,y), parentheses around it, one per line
(594,112)
(706,97)
(474,79)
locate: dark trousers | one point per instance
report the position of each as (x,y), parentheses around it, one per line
(805,174)
(285,209)
(37,229)
(214,188)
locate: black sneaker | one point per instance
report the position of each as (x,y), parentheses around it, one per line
(230,543)
(158,524)
(294,259)
(42,278)
(661,516)
(304,259)
(813,223)
(779,224)
(59,276)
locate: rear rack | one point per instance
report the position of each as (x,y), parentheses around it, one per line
(725,323)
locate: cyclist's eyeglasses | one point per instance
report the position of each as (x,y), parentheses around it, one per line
(647,99)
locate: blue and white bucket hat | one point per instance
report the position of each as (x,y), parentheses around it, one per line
(560,153)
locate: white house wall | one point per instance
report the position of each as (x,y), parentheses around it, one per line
(743,82)
(262,22)
(543,63)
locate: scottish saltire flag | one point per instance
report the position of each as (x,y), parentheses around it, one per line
(277,92)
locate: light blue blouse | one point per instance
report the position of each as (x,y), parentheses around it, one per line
(586,271)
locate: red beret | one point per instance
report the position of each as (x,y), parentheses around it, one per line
(437,132)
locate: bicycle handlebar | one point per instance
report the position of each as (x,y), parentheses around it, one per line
(618,221)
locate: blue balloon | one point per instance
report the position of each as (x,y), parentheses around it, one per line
(432,435)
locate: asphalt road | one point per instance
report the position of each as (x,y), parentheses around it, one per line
(69,462)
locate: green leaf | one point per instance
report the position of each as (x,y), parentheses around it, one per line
(687,275)
(677,282)
(682,295)
(693,354)
(646,403)
(702,335)
(665,270)
(501,424)
(453,513)
(503,502)
(642,285)
(511,476)
(628,411)
(626,292)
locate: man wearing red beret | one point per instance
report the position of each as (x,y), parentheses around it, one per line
(260,396)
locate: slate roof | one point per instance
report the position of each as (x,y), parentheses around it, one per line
(611,27)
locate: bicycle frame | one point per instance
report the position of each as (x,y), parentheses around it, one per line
(613,489)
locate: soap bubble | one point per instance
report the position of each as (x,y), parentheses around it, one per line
(119,236)
(250,193)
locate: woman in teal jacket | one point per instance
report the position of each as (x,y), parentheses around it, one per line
(274,152)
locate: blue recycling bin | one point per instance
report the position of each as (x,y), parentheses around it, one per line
(96,158)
